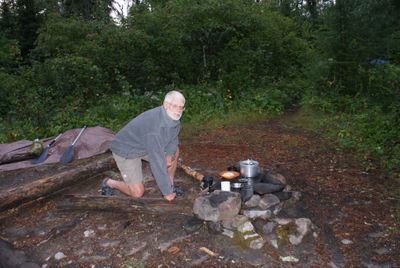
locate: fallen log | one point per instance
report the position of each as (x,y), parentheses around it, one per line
(77,171)
(121,204)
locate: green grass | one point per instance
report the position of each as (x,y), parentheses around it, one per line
(197,126)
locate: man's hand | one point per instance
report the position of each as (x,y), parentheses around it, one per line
(170,197)
(169,160)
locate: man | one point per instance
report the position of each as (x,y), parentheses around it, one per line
(151,136)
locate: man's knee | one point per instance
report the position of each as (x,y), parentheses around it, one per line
(136,191)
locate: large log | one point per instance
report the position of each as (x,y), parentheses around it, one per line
(121,204)
(79,170)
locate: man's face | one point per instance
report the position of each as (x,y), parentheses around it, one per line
(174,108)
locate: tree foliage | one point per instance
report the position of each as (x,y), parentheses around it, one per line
(68,61)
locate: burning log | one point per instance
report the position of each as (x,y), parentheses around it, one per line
(192,173)
(78,171)
(120,204)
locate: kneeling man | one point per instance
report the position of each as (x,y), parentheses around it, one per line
(151,136)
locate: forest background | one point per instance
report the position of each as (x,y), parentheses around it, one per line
(68,63)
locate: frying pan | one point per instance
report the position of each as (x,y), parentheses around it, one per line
(229,175)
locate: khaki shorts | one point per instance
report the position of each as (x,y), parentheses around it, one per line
(131,169)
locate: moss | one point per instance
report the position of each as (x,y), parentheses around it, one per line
(238,239)
(134,263)
(284,231)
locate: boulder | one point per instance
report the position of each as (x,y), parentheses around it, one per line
(217,206)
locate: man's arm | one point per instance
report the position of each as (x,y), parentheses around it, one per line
(158,164)
(171,147)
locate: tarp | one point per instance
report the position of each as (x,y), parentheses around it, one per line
(93,141)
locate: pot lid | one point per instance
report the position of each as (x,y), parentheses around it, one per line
(249,162)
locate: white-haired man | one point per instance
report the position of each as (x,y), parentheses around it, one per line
(151,136)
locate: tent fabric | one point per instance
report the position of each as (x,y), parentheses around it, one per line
(93,141)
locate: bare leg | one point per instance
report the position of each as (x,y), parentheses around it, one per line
(172,168)
(134,190)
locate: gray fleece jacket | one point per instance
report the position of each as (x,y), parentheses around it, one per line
(151,133)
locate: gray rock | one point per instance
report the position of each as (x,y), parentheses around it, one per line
(219,205)
(273,240)
(253,201)
(283,195)
(214,227)
(228,233)
(253,214)
(273,178)
(246,227)
(277,178)
(282,221)
(257,243)
(268,201)
(88,233)
(251,236)
(192,225)
(278,208)
(346,241)
(269,227)
(59,255)
(296,195)
(265,188)
(235,222)
(303,228)
(259,224)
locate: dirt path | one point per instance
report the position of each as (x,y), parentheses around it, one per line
(351,208)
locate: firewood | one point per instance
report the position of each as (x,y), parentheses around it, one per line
(192,173)
(209,252)
(78,171)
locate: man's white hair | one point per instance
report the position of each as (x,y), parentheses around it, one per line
(174,95)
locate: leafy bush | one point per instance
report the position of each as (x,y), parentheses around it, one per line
(363,126)
(70,81)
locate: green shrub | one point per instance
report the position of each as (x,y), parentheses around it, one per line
(364,126)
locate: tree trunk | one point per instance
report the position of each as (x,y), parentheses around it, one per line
(121,204)
(79,170)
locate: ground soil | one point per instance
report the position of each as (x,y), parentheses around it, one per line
(351,208)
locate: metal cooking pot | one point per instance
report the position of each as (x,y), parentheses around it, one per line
(236,185)
(249,168)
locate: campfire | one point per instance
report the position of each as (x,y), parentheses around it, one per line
(245,203)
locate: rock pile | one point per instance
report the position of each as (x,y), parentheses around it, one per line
(256,221)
